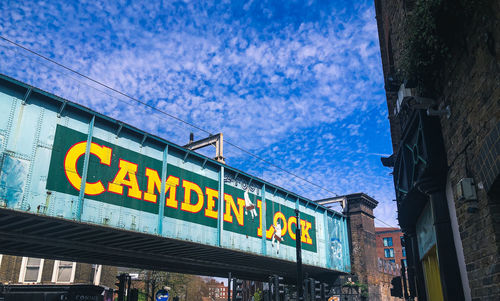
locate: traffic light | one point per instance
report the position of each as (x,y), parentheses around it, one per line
(134,295)
(397,289)
(277,288)
(281,286)
(315,290)
(286,294)
(122,278)
(324,288)
(237,289)
(307,289)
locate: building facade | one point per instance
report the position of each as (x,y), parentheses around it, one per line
(371,273)
(29,270)
(441,68)
(217,290)
(390,245)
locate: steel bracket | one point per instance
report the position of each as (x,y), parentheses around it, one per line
(27,95)
(63,105)
(143,140)
(119,129)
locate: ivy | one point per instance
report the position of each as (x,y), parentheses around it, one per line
(360,287)
(433,28)
(363,289)
(257,295)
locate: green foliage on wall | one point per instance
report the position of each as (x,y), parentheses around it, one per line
(361,288)
(257,296)
(433,28)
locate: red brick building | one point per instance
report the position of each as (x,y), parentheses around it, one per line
(390,245)
(217,290)
(366,267)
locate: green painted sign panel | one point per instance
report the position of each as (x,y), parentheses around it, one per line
(66,138)
(122,177)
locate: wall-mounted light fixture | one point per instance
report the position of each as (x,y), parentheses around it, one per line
(466,192)
(443,112)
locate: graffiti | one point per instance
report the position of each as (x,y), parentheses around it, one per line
(13,180)
(336,249)
(244,184)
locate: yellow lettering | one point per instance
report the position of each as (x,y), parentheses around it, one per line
(305,226)
(190,187)
(270,231)
(154,181)
(292,220)
(127,170)
(238,211)
(212,194)
(71,159)
(259,206)
(171,189)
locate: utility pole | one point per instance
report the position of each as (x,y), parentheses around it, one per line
(298,249)
(229,287)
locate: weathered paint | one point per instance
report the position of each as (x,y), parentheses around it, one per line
(86,167)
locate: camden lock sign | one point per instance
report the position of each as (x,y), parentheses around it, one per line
(126,178)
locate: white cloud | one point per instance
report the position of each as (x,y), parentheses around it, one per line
(269,84)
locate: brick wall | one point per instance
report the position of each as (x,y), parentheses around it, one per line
(10,267)
(362,235)
(108,276)
(471,135)
(395,234)
(364,247)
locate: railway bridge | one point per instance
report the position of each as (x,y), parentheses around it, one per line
(81,186)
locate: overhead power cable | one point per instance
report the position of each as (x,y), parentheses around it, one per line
(167,114)
(391,226)
(161,111)
(104,85)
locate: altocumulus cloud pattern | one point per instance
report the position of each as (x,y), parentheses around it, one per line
(298,83)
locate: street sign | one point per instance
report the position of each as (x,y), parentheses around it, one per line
(162,295)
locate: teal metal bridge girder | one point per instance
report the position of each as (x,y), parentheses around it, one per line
(78,185)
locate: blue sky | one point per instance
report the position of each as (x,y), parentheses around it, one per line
(298,83)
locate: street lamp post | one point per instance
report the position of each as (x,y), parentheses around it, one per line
(298,248)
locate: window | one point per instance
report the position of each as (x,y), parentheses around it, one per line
(389,253)
(402,241)
(31,270)
(387,241)
(95,275)
(64,271)
(404,252)
(404,262)
(392,260)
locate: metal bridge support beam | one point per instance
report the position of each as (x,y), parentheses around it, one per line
(220,221)
(263,219)
(327,241)
(161,202)
(85,169)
